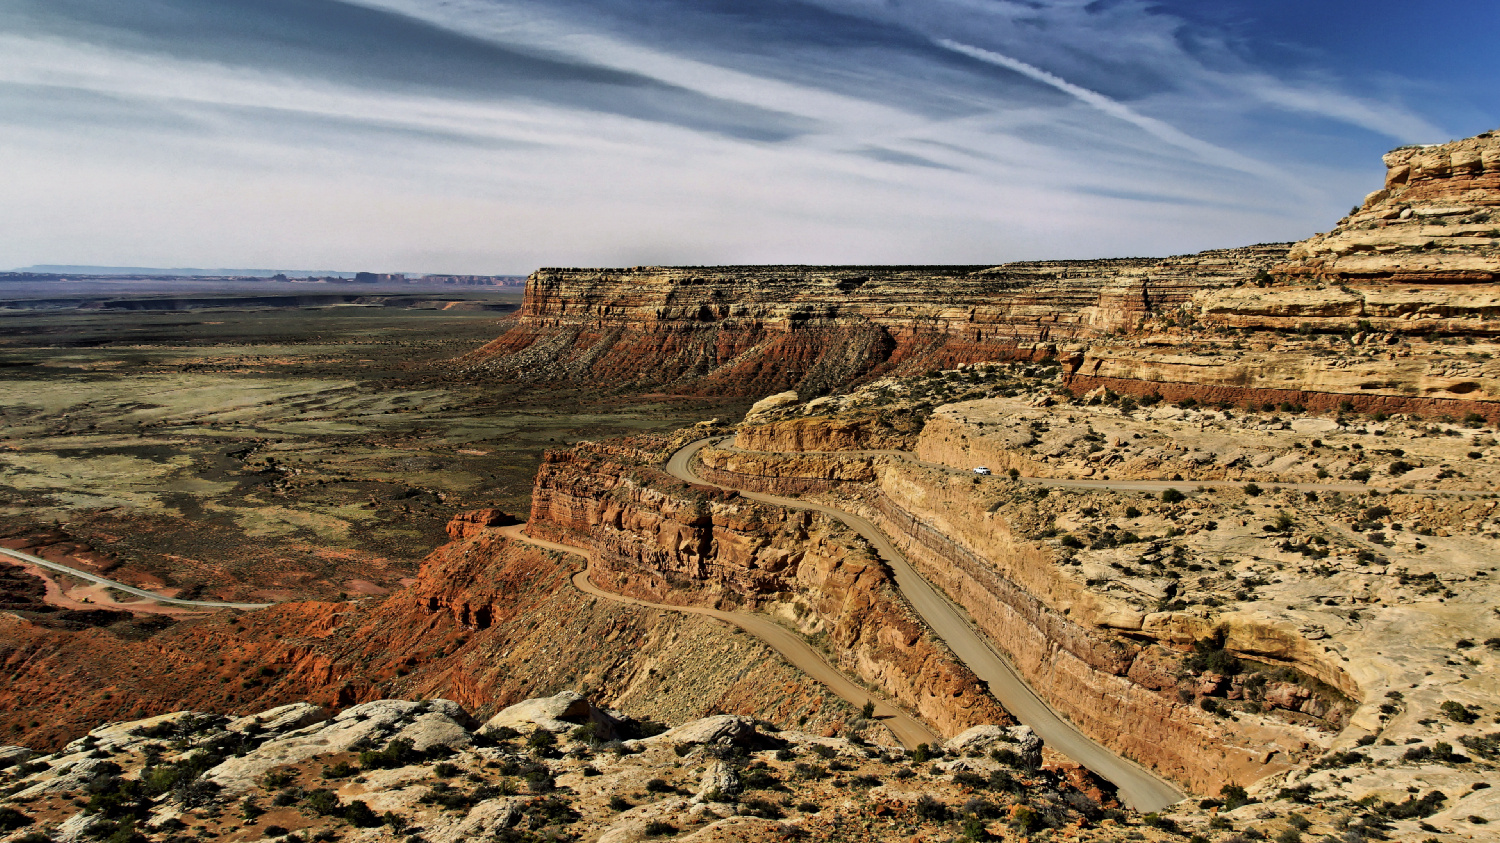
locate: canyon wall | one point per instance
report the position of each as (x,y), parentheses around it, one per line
(1097,663)
(488,622)
(1110,669)
(760,330)
(663,540)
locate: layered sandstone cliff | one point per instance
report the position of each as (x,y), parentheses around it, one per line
(758,330)
(663,540)
(1436,221)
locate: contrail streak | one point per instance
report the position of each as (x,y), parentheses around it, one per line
(1165,132)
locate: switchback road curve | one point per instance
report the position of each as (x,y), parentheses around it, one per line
(1140,788)
(907,729)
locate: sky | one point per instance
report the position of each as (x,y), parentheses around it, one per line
(499,136)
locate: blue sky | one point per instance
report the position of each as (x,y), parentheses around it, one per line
(495,137)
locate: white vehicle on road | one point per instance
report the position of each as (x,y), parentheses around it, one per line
(982,470)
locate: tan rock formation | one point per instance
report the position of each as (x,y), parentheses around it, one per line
(659,539)
(764,330)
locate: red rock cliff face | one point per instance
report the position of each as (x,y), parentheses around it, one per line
(663,540)
(759,330)
(488,623)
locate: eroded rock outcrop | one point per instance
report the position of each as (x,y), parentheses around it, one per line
(660,539)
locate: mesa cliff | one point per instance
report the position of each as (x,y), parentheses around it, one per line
(1411,268)
(758,330)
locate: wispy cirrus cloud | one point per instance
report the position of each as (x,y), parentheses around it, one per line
(496,135)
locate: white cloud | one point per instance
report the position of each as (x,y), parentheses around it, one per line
(197,163)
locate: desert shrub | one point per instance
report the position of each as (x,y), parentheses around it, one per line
(541,739)
(550,810)
(1413,807)
(619,803)
(929,808)
(341,770)
(1456,712)
(397,753)
(1485,746)
(11,819)
(763,808)
(359,815)
(1026,821)
(660,828)
(639,729)
(1161,822)
(759,778)
(587,733)
(1172,496)
(1233,796)
(499,734)
(658,786)
(1209,655)
(981,808)
(538,780)
(322,801)
(1301,793)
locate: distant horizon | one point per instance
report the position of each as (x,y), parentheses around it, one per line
(188,272)
(463,135)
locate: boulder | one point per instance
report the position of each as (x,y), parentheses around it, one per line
(721,729)
(435,729)
(976,739)
(274,722)
(1028,745)
(719,783)
(983,765)
(81,826)
(10,756)
(483,821)
(773,402)
(68,777)
(558,713)
(468,524)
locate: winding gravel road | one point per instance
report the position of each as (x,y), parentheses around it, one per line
(128,589)
(907,729)
(1140,788)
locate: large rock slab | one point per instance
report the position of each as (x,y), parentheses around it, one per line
(559,713)
(373,722)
